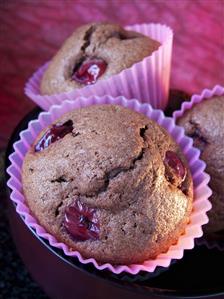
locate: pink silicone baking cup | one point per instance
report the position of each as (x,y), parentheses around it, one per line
(218,90)
(201,203)
(147,80)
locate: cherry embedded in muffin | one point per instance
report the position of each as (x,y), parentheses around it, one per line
(81,222)
(53,134)
(89,71)
(174,162)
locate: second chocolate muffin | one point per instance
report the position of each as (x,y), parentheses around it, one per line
(93,52)
(205,124)
(110,183)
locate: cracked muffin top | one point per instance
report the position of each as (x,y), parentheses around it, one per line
(93,52)
(205,124)
(110,183)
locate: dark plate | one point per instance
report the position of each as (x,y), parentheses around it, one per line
(199,274)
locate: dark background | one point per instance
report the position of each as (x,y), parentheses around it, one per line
(31,32)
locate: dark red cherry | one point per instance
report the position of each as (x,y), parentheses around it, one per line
(89,71)
(81,222)
(174,162)
(53,134)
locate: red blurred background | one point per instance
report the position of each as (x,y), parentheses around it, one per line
(31,32)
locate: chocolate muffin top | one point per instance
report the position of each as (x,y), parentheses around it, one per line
(205,124)
(110,183)
(94,51)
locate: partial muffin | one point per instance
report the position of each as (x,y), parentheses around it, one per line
(205,124)
(110,183)
(94,52)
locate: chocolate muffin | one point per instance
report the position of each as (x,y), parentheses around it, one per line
(94,52)
(110,183)
(205,124)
